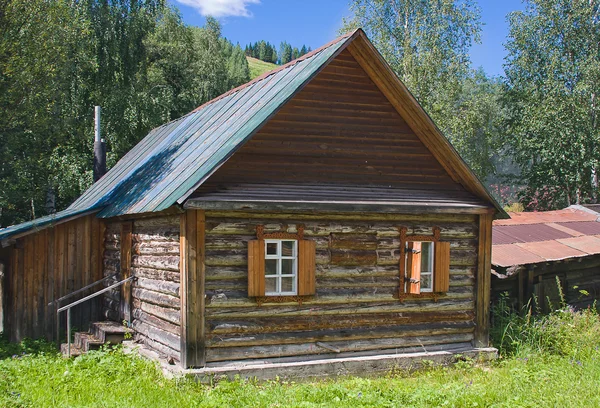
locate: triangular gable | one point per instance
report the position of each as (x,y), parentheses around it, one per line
(339,139)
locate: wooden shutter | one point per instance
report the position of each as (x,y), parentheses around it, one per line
(414,267)
(441,269)
(256,267)
(306,267)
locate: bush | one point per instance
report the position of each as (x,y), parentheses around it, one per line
(563,332)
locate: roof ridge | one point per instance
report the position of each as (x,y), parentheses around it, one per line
(278,69)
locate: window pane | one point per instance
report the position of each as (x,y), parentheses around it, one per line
(426,259)
(271,248)
(425,281)
(270,285)
(287,248)
(287,284)
(270,266)
(287,266)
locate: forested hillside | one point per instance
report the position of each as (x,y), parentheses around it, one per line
(266,52)
(59,58)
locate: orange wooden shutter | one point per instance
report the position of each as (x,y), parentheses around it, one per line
(441,269)
(256,267)
(306,267)
(414,267)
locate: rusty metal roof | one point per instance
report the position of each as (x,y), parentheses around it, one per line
(529,238)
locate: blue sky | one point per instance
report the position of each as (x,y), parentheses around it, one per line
(316,22)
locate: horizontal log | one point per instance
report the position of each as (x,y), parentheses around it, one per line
(158,335)
(170,288)
(156,322)
(156,248)
(434,219)
(329,335)
(276,323)
(249,309)
(166,313)
(158,274)
(259,352)
(165,351)
(169,263)
(156,298)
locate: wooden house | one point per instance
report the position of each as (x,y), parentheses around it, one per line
(314,212)
(532,250)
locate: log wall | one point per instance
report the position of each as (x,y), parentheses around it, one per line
(155,304)
(47,265)
(355,308)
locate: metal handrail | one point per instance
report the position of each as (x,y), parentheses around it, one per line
(91,285)
(70,305)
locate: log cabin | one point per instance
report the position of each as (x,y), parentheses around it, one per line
(315,212)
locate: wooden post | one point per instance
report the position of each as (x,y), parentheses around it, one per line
(126,243)
(483,281)
(192,291)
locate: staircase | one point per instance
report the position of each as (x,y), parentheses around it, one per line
(100,333)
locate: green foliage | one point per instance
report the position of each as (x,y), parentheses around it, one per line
(552,82)
(427,45)
(58,59)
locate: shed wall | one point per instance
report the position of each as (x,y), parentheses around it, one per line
(579,278)
(355,308)
(47,265)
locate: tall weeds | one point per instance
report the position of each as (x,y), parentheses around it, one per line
(564,331)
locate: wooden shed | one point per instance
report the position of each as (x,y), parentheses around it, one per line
(532,250)
(314,212)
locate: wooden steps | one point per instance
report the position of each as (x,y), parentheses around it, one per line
(100,333)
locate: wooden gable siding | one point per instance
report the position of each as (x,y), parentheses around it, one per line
(340,129)
(155,294)
(356,308)
(47,265)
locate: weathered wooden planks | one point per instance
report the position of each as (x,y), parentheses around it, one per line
(192,289)
(354,308)
(341,130)
(48,265)
(483,279)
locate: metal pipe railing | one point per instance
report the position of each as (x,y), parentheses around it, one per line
(77,302)
(91,285)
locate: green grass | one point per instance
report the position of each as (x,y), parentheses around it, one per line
(258,67)
(547,361)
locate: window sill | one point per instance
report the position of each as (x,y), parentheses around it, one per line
(281,299)
(427,295)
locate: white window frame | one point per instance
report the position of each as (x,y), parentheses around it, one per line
(431,261)
(278,276)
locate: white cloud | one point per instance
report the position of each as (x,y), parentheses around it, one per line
(221,8)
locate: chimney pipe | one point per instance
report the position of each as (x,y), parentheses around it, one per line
(99,148)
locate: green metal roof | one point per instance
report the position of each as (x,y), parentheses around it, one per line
(174,159)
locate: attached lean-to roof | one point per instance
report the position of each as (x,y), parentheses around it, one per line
(547,236)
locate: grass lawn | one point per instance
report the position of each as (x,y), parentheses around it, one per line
(552,362)
(258,67)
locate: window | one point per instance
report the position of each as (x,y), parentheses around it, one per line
(425,268)
(281,266)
